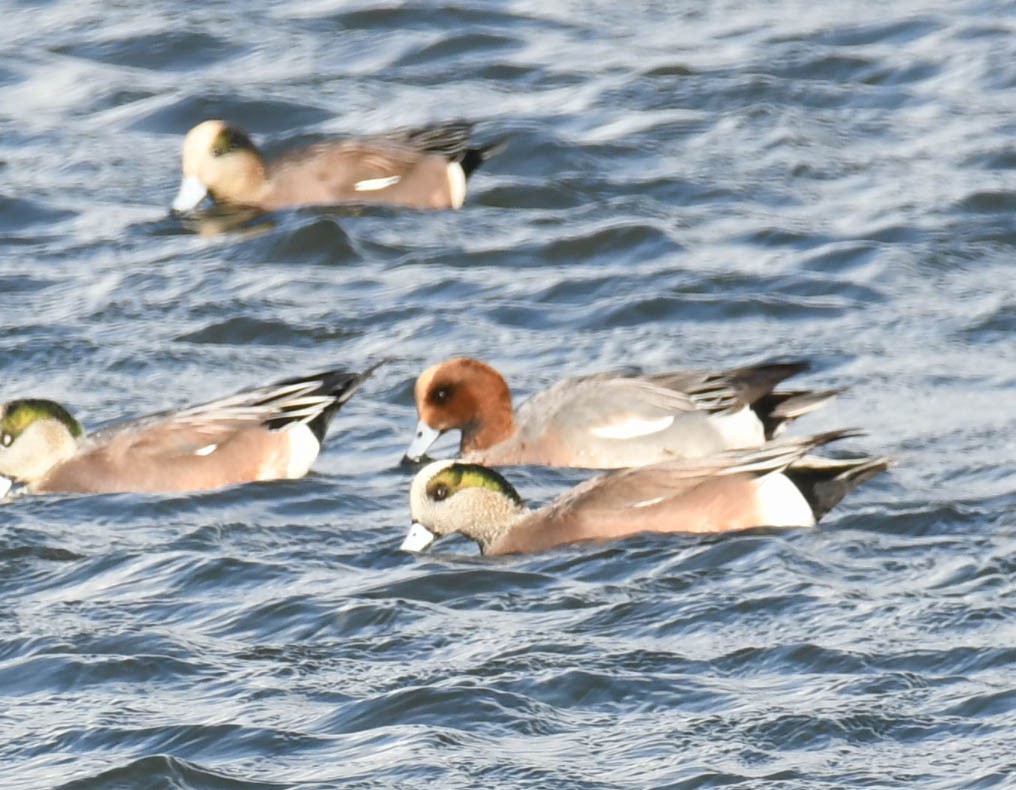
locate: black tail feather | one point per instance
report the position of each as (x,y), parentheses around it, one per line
(474,157)
(339,384)
(825,481)
(452,140)
(756,381)
(778,409)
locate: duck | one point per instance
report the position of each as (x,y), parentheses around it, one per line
(268,432)
(606,420)
(420,168)
(778,485)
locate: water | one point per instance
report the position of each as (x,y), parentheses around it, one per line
(684,184)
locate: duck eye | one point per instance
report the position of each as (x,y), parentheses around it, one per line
(218,150)
(6,439)
(442,394)
(440,493)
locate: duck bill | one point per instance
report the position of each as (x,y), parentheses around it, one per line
(418,538)
(192,192)
(425,437)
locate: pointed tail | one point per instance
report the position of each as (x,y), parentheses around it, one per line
(778,409)
(825,481)
(319,401)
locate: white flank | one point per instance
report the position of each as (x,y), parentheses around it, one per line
(781,504)
(303,450)
(5,486)
(456,184)
(192,191)
(208,449)
(418,538)
(631,428)
(372,184)
(742,428)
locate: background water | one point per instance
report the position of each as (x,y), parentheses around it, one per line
(685,184)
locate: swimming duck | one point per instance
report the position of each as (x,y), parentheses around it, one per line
(267,433)
(606,420)
(422,168)
(778,485)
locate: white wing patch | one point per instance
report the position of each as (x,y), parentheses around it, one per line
(373,184)
(648,502)
(632,428)
(208,449)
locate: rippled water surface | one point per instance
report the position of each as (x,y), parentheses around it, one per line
(683,184)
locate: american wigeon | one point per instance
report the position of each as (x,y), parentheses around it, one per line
(778,485)
(606,420)
(422,168)
(267,433)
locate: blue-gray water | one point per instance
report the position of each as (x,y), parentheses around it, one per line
(686,183)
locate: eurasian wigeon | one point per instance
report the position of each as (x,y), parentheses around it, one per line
(606,420)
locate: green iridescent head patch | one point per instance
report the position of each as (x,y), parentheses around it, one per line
(231,139)
(457,476)
(19,414)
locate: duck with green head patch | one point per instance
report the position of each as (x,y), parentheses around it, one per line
(35,435)
(266,433)
(778,485)
(449,496)
(420,168)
